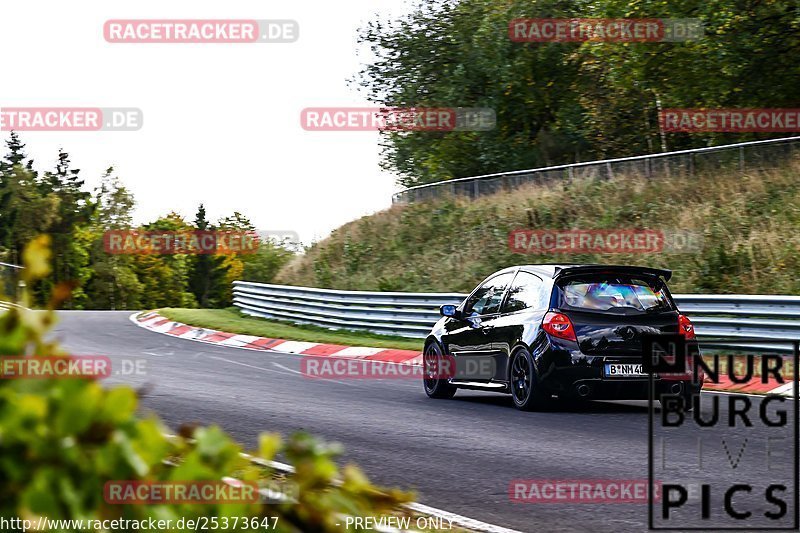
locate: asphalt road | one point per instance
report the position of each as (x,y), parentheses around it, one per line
(459,455)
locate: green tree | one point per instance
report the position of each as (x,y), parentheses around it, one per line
(70,257)
(745,60)
(261,266)
(27,211)
(56,203)
(16,154)
(206,271)
(113,283)
(165,278)
(450,53)
(16,174)
(565,102)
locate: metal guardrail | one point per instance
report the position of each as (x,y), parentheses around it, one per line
(9,283)
(747,155)
(726,317)
(5,306)
(391,313)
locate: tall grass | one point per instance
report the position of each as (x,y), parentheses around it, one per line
(750,223)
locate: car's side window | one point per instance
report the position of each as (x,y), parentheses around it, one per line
(525,293)
(488,297)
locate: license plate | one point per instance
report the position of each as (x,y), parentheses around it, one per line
(624,370)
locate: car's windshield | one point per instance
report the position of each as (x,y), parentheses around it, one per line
(614,292)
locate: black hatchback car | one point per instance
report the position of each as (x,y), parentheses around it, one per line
(572,331)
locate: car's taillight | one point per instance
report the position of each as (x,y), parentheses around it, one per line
(685,327)
(559,325)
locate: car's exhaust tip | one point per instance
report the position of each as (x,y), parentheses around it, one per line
(584,390)
(676,388)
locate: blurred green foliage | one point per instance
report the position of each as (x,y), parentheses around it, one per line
(62,440)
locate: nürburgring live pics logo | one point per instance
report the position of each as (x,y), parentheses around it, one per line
(731,462)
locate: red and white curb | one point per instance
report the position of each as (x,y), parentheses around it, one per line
(755,386)
(155,322)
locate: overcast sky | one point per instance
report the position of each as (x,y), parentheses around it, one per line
(221,121)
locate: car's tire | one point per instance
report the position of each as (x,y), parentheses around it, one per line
(435,388)
(524,382)
(688,397)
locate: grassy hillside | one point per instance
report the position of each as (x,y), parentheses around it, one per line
(750,225)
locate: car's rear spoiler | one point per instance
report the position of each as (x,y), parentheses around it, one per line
(593,269)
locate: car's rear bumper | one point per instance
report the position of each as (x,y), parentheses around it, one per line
(624,389)
(585,379)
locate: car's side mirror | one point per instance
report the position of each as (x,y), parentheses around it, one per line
(449,310)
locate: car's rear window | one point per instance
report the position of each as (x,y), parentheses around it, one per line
(614,293)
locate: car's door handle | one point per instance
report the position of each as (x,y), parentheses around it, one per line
(487,329)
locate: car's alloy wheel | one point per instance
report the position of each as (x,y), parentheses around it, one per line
(524,385)
(431,361)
